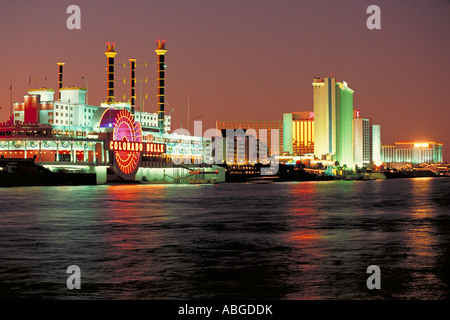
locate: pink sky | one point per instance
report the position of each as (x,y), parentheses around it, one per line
(246,59)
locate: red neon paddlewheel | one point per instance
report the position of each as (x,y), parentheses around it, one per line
(126,129)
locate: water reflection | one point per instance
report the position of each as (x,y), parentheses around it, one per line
(311,240)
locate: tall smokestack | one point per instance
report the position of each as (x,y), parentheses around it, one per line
(132,83)
(60,78)
(161,51)
(110,54)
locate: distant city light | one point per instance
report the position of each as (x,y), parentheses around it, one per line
(421,145)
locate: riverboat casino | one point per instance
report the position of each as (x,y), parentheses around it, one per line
(64,132)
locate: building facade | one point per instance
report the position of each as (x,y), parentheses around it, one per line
(412,152)
(298,133)
(362,142)
(333,117)
(324,100)
(268,131)
(366,141)
(376,143)
(71,110)
(65,133)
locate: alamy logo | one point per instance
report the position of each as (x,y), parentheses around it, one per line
(374,281)
(74,21)
(74,280)
(236,146)
(374,21)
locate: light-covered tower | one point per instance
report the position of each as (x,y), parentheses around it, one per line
(60,78)
(333,120)
(344,125)
(110,54)
(161,52)
(133,84)
(376,143)
(324,99)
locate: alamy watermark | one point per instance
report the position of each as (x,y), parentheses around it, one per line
(374,21)
(74,20)
(236,145)
(374,281)
(74,280)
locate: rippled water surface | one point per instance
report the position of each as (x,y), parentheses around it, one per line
(307,240)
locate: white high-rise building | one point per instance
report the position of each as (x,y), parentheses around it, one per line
(376,143)
(366,140)
(333,121)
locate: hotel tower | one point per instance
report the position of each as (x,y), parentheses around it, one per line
(333,120)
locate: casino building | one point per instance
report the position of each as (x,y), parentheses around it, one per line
(298,133)
(366,141)
(333,120)
(112,140)
(414,152)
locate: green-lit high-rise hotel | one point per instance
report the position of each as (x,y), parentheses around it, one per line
(333,117)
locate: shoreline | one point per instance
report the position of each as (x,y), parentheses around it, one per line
(249,181)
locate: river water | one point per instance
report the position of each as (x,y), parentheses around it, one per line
(294,240)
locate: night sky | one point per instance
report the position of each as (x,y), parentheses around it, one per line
(243,59)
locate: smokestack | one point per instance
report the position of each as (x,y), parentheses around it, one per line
(32,103)
(161,51)
(132,83)
(60,78)
(110,54)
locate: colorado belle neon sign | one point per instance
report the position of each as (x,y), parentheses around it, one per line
(124,145)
